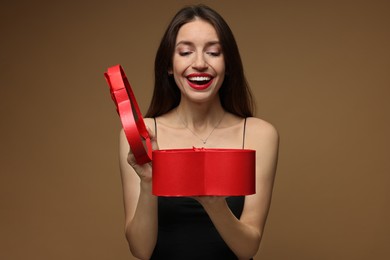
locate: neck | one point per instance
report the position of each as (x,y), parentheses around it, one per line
(200,116)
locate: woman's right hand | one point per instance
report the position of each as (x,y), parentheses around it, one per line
(140,203)
(143,171)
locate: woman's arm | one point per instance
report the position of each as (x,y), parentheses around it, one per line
(140,205)
(243,236)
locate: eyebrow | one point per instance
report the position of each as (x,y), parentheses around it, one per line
(210,43)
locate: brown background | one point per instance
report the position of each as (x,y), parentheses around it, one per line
(320,74)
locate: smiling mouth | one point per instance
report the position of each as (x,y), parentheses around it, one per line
(199,82)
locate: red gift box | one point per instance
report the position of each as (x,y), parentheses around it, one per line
(201,171)
(181,172)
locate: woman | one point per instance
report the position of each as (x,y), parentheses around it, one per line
(201,99)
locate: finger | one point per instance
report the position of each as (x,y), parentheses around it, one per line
(133,162)
(131,159)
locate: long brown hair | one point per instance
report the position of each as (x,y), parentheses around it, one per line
(234,93)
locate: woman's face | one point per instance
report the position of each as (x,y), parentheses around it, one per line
(198,61)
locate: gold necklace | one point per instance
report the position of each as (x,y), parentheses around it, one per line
(204,141)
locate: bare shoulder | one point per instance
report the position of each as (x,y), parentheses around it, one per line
(259,128)
(150,123)
(261,135)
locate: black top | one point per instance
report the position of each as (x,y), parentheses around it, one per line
(186,232)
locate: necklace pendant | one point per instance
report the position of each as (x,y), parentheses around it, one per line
(204,141)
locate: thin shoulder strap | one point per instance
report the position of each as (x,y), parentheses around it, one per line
(155,126)
(243,134)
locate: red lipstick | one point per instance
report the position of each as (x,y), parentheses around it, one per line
(199,81)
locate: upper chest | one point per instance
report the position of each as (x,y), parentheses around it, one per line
(180,138)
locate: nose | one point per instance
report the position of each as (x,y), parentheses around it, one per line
(200,62)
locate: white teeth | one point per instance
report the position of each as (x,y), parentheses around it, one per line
(199,78)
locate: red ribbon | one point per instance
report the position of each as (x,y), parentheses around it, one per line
(130,114)
(201,171)
(181,172)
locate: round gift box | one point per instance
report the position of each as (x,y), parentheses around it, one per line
(202,171)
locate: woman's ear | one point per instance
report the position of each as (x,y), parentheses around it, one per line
(170,72)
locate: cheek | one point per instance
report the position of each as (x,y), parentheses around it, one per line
(179,63)
(221,79)
(179,80)
(221,67)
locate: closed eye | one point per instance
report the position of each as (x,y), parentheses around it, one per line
(214,54)
(185,53)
